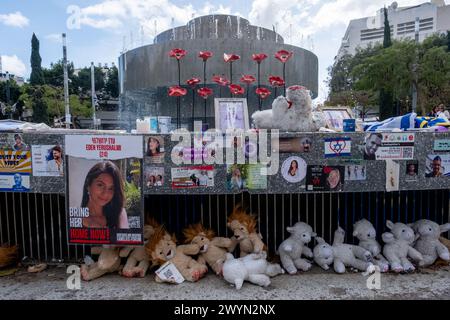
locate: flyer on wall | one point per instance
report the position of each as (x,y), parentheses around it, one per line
(325,178)
(104,189)
(192,177)
(15,170)
(245,177)
(396,146)
(47,161)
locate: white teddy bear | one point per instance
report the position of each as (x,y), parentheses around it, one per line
(364,231)
(295,246)
(342,255)
(291,113)
(253,268)
(428,243)
(399,246)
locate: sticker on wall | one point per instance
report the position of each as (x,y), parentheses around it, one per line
(442,145)
(325,178)
(294,169)
(245,177)
(292,145)
(154,149)
(392,175)
(389,146)
(192,177)
(15,170)
(48,161)
(355,172)
(437,165)
(338,147)
(154,176)
(412,170)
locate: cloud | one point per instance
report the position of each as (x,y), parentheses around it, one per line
(16,19)
(13,65)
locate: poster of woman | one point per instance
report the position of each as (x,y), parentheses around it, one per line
(104,205)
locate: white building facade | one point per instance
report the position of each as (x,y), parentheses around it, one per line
(433,16)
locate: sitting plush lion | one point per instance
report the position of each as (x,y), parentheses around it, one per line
(213,249)
(8,255)
(243,226)
(162,247)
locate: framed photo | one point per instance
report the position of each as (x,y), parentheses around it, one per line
(231,113)
(334,117)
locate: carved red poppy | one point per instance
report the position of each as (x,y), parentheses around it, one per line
(230,57)
(204,92)
(263,92)
(176,91)
(248,79)
(205,55)
(236,89)
(193,82)
(283,55)
(177,53)
(221,80)
(276,81)
(259,57)
(296,87)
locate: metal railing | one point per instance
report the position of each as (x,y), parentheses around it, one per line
(37,222)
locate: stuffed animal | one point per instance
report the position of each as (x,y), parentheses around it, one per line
(213,249)
(428,243)
(243,226)
(162,247)
(253,268)
(108,262)
(291,113)
(295,246)
(342,255)
(8,255)
(138,261)
(364,231)
(399,246)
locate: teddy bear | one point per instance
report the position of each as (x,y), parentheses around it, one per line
(253,268)
(213,249)
(243,226)
(138,261)
(428,243)
(291,113)
(161,247)
(364,231)
(342,255)
(398,246)
(108,262)
(291,249)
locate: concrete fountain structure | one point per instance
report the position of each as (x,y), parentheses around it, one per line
(145,73)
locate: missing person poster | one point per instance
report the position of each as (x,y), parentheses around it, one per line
(192,177)
(47,161)
(246,177)
(15,170)
(325,178)
(437,165)
(104,193)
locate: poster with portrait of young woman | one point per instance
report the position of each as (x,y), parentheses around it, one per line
(103,189)
(293,169)
(325,178)
(154,149)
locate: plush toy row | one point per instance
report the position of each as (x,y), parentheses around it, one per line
(419,241)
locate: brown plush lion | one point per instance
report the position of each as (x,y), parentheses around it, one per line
(243,226)
(213,249)
(162,247)
(8,255)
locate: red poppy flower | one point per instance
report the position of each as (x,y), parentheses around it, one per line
(276,81)
(204,92)
(259,57)
(247,78)
(176,91)
(205,55)
(177,53)
(230,57)
(193,82)
(236,89)
(296,87)
(221,80)
(263,92)
(283,55)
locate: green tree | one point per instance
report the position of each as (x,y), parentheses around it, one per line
(387,42)
(112,83)
(386,101)
(36,77)
(83,80)
(40,113)
(54,75)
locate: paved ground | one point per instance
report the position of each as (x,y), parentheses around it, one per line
(316,284)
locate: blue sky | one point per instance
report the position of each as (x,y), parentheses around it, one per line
(107,26)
